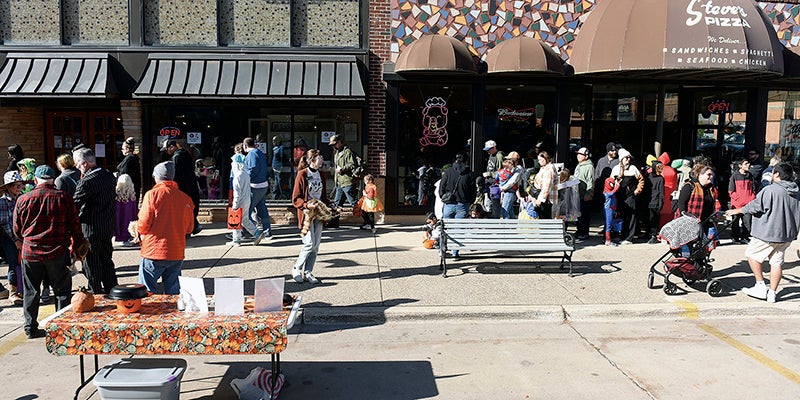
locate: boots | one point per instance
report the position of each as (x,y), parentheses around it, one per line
(653,240)
(16,297)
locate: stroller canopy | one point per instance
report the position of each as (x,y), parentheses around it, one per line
(680,231)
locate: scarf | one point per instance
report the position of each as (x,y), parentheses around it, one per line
(695,204)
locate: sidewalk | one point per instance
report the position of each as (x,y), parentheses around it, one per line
(390,275)
(388,278)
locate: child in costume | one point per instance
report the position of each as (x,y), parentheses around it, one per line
(610,187)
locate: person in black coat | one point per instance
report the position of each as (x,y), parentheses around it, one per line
(130,165)
(457,190)
(185,176)
(95,197)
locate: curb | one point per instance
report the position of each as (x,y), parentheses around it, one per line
(576,312)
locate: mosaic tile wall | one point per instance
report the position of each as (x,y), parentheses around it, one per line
(481,24)
(180,22)
(95,22)
(254,22)
(29,21)
(314,25)
(786,20)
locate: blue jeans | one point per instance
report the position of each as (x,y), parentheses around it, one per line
(167,270)
(349,192)
(507,200)
(258,203)
(310,248)
(277,192)
(458,211)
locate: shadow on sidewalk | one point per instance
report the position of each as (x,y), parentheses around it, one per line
(340,379)
(493,264)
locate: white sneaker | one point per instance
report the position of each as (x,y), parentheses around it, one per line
(233,243)
(624,242)
(757,291)
(771,296)
(310,278)
(297,275)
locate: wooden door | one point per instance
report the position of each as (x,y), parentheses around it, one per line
(101,131)
(65,130)
(107,136)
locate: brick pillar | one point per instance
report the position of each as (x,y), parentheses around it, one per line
(380,37)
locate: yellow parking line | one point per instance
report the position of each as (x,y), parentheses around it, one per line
(7,346)
(690,311)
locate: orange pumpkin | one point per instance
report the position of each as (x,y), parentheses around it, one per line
(129,306)
(83,300)
(234,218)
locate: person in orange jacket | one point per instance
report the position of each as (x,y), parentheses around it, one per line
(166,217)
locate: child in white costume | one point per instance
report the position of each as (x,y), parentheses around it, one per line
(241,198)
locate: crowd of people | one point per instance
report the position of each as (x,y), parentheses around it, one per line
(636,200)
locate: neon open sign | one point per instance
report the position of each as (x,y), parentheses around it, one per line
(170,131)
(719,106)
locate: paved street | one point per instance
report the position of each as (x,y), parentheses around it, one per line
(385,324)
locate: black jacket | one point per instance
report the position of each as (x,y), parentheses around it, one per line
(463,188)
(130,166)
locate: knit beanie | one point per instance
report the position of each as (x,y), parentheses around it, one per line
(164,171)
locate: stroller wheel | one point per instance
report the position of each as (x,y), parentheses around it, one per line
(670,288)
(714,287)
(651,277)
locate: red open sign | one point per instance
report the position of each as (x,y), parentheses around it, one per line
(719,106)
(170,131)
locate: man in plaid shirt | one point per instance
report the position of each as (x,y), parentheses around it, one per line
(47,222)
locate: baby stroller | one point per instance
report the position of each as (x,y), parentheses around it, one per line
(689,254)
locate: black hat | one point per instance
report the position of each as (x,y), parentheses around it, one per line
(611,146)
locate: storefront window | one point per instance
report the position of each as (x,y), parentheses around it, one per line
(783,126)
(434,125)
(518,118)
(720,119)
(210,134)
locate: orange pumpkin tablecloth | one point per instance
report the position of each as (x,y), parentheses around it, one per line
(160,328)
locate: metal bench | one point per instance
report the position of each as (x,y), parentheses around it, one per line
(540,235)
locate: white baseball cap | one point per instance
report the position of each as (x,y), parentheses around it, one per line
(584,151)
(489,144)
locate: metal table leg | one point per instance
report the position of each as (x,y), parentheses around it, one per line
(85,381)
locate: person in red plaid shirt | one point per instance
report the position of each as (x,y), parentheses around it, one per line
(46,220)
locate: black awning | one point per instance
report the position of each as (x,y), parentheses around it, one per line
(265,76)
(56,75)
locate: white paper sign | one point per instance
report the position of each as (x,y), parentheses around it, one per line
(193,295)
(100,150)
(57,141)
(268,295)
(228,296)
(263,147)
(327,135)
(194,137)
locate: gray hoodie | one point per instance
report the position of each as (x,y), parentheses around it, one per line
(776,212)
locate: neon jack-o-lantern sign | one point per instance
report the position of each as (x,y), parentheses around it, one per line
(434,122)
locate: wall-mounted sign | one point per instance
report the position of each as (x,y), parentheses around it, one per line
(325,136)
(508,114)
(434,122)
(170,131)
(194,138)
(719,106)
